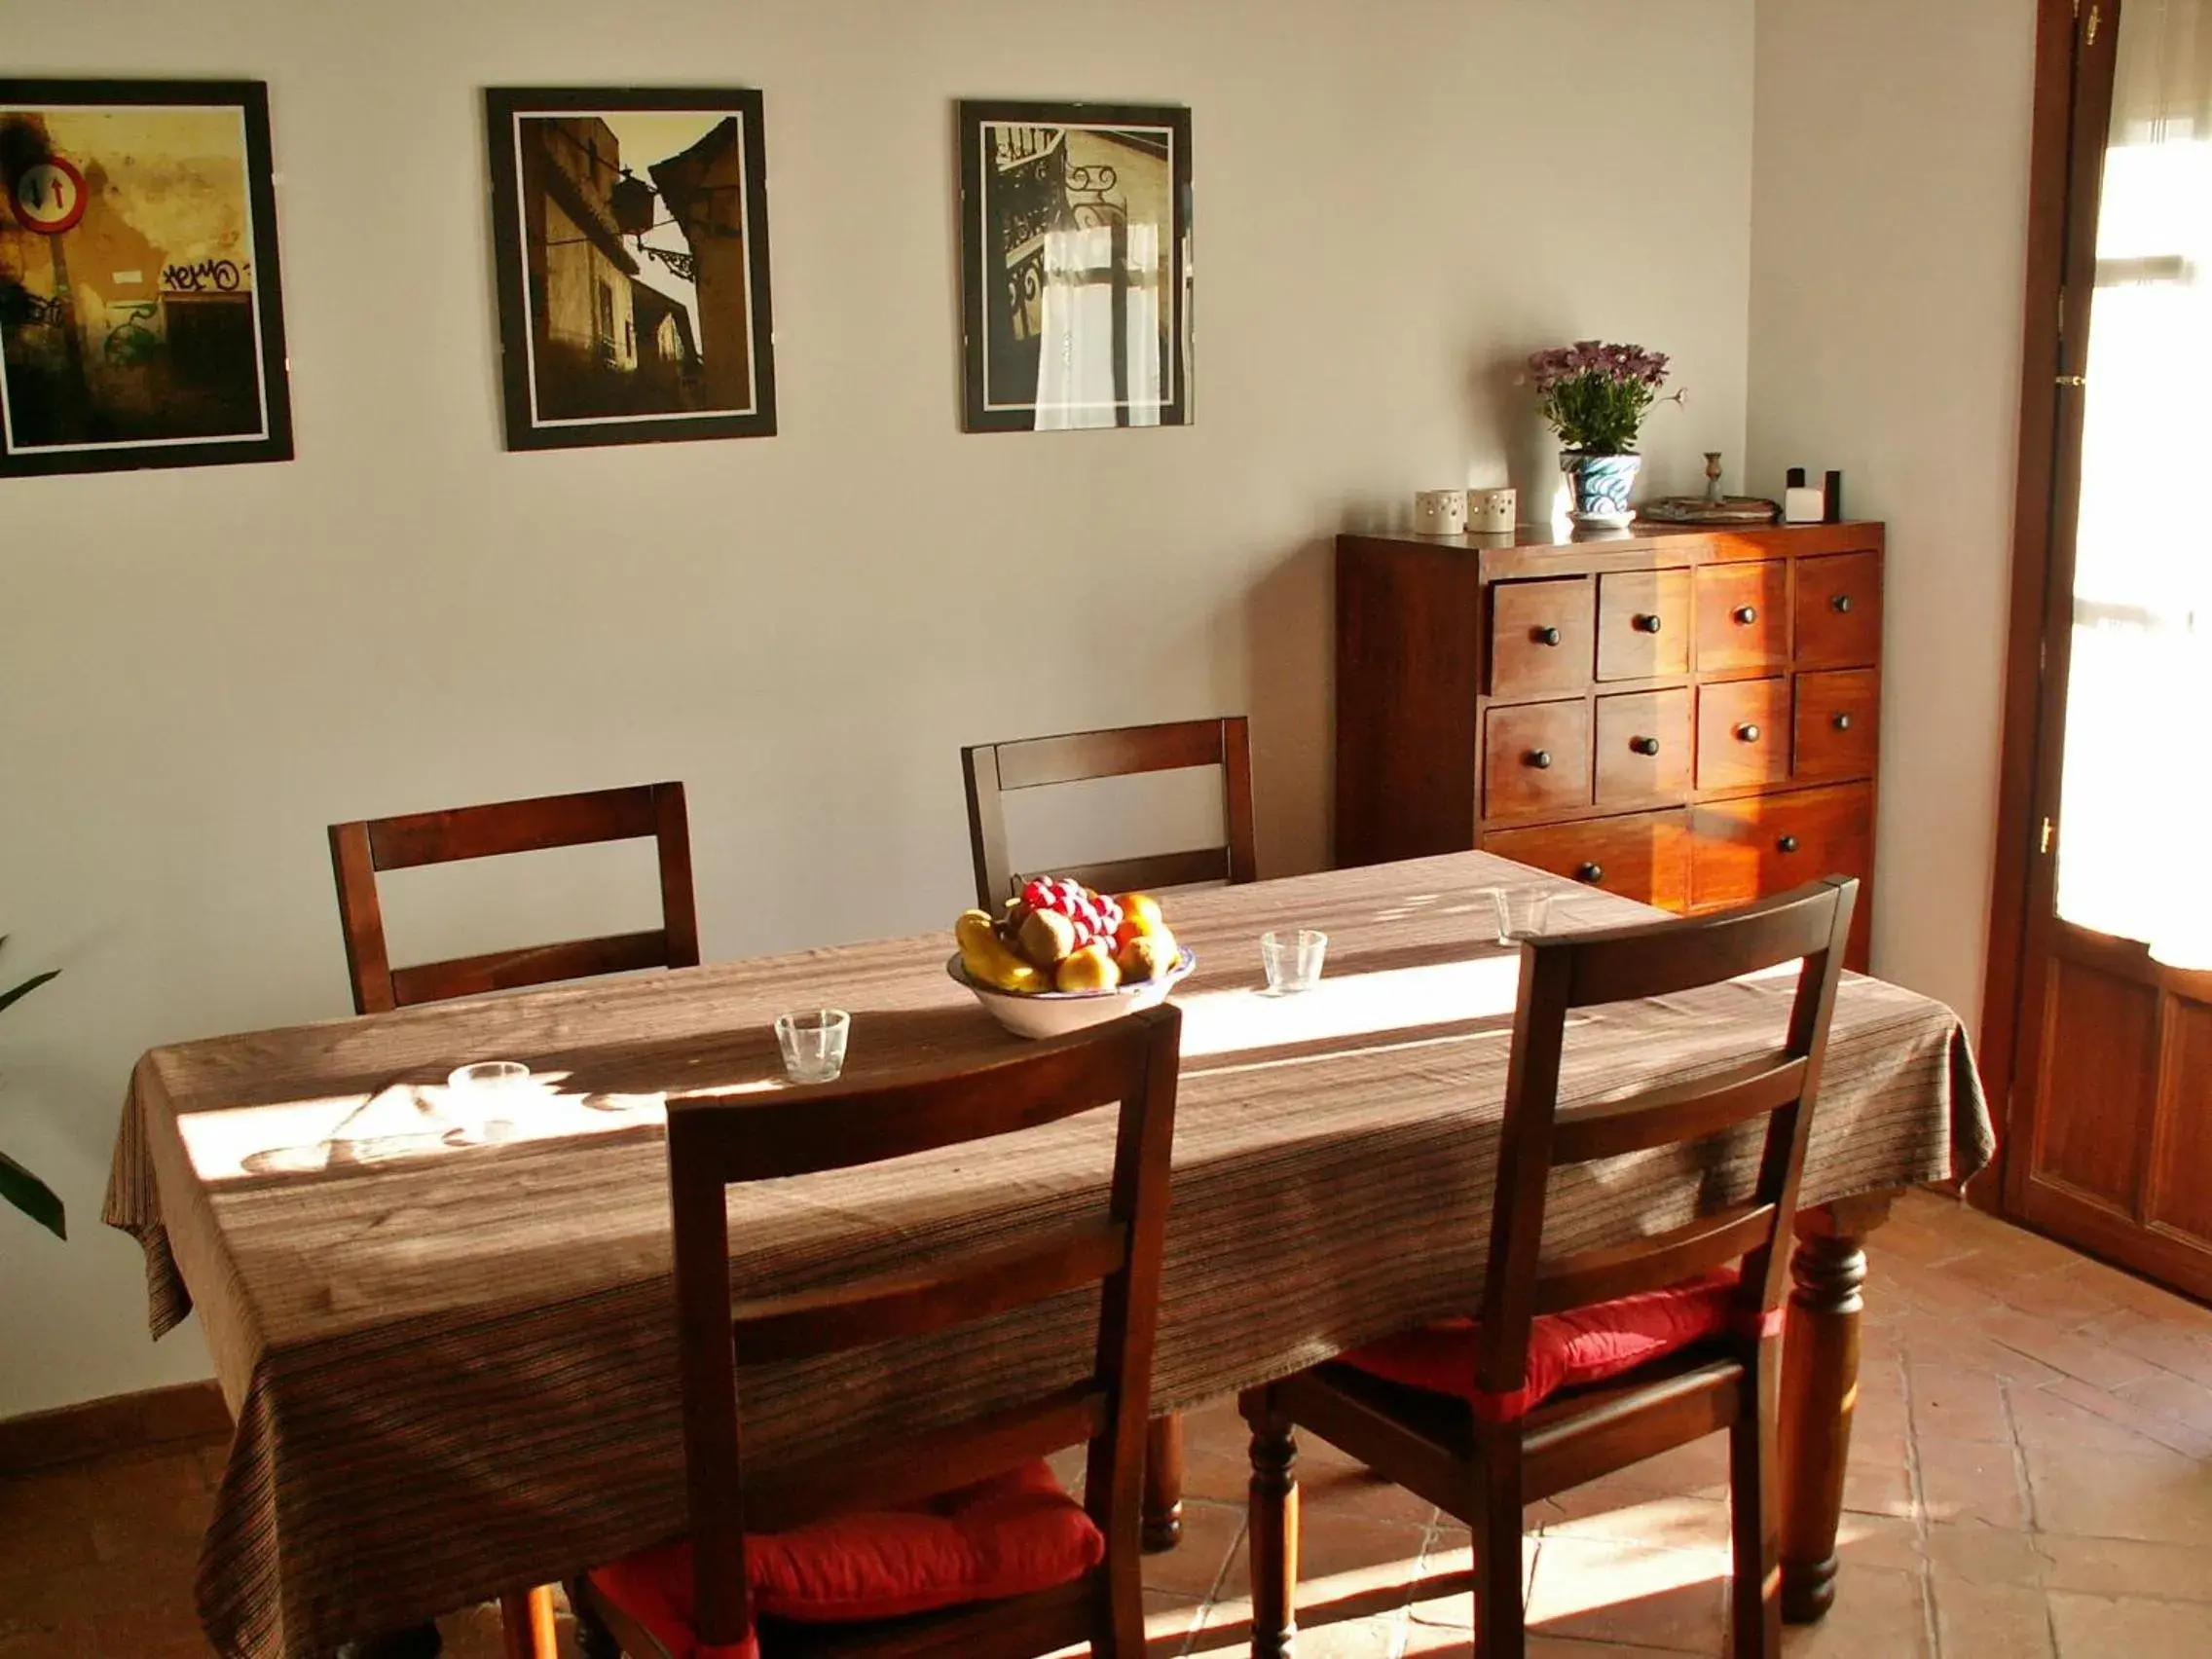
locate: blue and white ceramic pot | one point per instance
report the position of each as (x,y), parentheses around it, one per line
(1602,484)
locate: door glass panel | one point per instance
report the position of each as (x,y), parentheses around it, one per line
(2136,787)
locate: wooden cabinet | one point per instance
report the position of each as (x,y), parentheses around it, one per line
(1645,857)
(1535,760)
(1743,616)
(1743,734)
(1643,624)
(1839,610)
(1643,747)
(1688,718)
(1839,717)
(1539,637)
(1753,845)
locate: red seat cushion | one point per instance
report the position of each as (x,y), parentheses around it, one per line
(1013,1535)
(1566,1350)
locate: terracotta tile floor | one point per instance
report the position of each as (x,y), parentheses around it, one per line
(2031,1478)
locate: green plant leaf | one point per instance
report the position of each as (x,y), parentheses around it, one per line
(33,1197)
(27,986)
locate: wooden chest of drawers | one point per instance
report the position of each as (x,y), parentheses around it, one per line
(1688,718)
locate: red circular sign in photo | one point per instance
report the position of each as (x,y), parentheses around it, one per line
(49,197)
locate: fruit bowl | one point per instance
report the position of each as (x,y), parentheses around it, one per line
(1056,1014)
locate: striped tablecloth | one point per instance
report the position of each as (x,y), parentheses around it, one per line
(448,1342)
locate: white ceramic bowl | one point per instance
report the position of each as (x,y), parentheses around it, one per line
(1056,1014)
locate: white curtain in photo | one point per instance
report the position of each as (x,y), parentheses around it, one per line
(1075,372)
(2136,797)
(1145,280)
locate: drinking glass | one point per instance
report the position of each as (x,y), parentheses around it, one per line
(1293,960)
(813,1043)
(1522,915)
(1516,916)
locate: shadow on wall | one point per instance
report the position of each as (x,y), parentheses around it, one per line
(1532,453)
(1289,619)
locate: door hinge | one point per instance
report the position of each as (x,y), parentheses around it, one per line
(2049,831)
(2074,380)
(2092,40)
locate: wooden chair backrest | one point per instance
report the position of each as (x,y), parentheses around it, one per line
(1558,974)
(713,1144)
(361,849)
(994,769)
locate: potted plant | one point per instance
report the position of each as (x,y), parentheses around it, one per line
(1595,396)
(18,1185)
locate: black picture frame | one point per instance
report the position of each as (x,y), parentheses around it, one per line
(1014,196)
(576,370)
(189,364)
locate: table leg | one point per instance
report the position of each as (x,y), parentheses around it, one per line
(1819,1385)
(1272,1533)
(1164,1481)
(525,1617)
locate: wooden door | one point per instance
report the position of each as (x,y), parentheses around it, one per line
(2110,1109)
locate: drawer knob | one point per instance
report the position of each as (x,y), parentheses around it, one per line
(1545,636)
(1540,759)
(1646,624)
(1644,745)
(1590,873)
(1788,843)
(1747,614)
(1747,733)
(1841,603)
(1842,722)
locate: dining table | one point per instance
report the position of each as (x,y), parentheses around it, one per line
(445,1329)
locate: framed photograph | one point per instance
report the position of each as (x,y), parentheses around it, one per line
(630,229)
(141,303)
(1075,264)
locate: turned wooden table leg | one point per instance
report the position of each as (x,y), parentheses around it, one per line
(526,1616)
(1819,1385)
(1164,1481)
(1272,1535)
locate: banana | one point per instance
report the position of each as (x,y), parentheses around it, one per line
(989,960)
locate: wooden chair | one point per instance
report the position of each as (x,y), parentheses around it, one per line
(994,769)
(713,1144)
(359,850)
(1457,1413)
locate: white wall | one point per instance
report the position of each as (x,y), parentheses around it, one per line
(199,670)
(1889,248)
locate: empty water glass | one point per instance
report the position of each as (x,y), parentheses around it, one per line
(1524,915)
(813,1043)
(1515,916)
(1293,960)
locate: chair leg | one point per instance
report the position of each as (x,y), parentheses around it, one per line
(1124,1606)
(1755,1504)
(1501,1618)
(525,1618)
(1272,1527)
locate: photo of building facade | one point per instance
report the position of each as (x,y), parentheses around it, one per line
(134,282)
(642,279)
